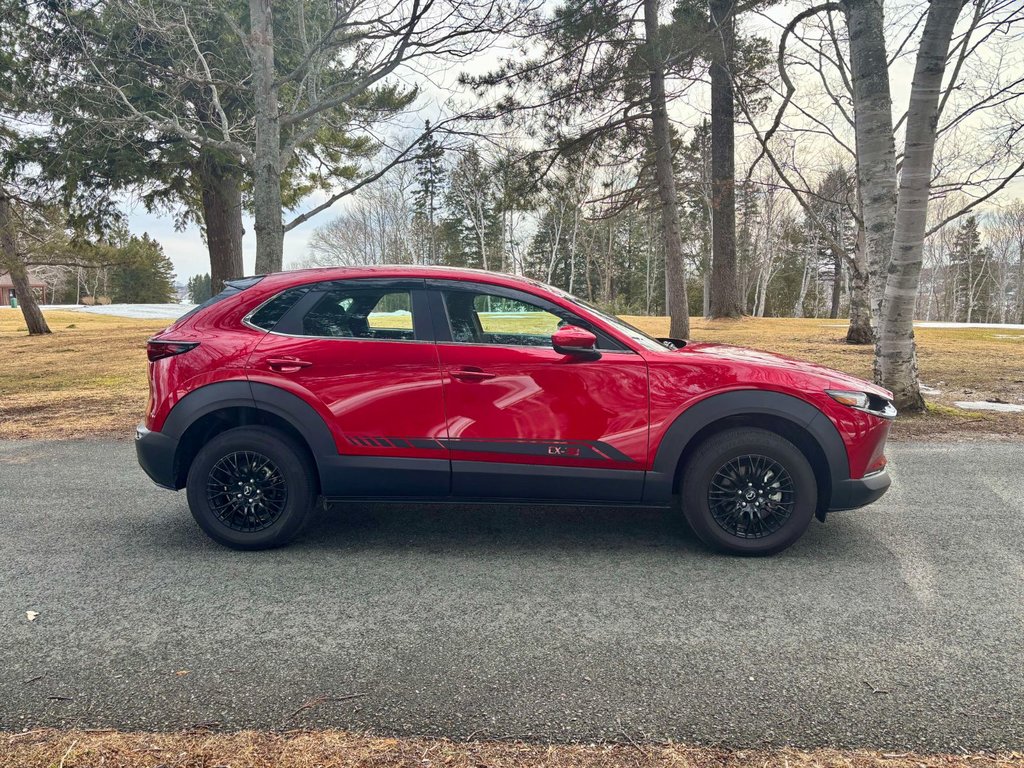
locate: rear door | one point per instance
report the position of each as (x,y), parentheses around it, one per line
(361,353)
(525,421)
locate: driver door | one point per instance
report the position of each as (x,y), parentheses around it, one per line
(525,421)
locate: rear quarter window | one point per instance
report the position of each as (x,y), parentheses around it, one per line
(267,316)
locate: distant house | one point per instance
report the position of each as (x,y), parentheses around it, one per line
(7,288)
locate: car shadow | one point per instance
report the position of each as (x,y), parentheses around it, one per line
(479,527)
(468,529)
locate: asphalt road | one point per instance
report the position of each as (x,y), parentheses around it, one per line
(898,626)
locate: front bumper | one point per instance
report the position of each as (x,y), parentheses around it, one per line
(156,452)
(850,494)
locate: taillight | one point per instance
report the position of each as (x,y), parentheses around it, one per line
(158,350)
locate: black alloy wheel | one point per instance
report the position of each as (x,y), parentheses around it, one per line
(751,496)
(252,487)
(246,491)
(749,491)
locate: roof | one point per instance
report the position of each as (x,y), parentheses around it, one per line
(6,282)
(405,270)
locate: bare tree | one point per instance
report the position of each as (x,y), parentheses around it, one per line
(895,349)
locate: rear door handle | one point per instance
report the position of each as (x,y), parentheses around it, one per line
(471,374)
(287,365)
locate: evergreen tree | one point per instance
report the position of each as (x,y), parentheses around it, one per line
(199,288)
(972,282)
(428,195)
(145,274)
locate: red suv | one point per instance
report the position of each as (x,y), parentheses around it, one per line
(422,383)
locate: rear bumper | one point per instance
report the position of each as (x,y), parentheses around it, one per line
(850,494)
(156,452)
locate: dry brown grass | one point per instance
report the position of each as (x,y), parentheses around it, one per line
(336,749)
(88,378)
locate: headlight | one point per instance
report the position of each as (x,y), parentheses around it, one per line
(852,399)
(862,401)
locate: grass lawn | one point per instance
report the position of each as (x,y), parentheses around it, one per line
(88,378)
(334,749)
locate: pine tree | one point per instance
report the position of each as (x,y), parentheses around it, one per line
(428,195)
(972,282)
(199,289)
(145,274)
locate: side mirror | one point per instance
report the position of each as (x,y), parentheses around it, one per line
(576,341)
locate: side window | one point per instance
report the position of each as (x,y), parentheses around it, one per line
(482,318)
(361,313)
(267,316)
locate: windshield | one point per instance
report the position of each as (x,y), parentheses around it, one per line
(634,333)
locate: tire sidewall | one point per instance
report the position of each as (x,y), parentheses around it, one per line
(715,453)
(293,465)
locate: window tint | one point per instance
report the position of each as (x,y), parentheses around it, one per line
(267,316)
(481,318)
(361,313)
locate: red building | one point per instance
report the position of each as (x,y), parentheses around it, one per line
(7,288)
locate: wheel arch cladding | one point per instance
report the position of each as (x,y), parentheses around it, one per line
(795,419)
(212,409)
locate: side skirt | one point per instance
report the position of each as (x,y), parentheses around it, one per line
(374,478)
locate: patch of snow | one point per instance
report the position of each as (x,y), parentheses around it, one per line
(984,405)
(138,311)
(999,326)
(926,390)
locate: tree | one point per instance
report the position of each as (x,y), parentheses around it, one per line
(199,288)
(973,281)
(895,349)
(314,82)
(430,178)
(144,275)
(11,261)
(676,298)
(725,296)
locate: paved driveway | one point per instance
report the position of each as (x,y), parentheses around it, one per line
(898,626)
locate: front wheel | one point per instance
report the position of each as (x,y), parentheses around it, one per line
(251,488)
(748,491)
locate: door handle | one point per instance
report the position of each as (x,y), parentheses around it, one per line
(287,365)
(471,374)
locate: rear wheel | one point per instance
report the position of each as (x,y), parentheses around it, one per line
(748,491)
(251,488)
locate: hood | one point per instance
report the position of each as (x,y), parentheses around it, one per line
(833,378)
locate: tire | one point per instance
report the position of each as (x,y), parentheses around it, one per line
(274,473)
(776,493)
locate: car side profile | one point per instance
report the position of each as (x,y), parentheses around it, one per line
(428,383)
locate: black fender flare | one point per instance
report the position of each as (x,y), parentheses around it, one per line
(658,488)
(261,397)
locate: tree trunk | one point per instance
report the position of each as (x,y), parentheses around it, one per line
(222,218)
(895,351)
(11,262)
(860,330)
(837,286)
(675,270)
(267,155)
(725,296)
(876,148)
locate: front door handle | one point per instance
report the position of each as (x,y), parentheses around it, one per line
(287,365)
(471,374)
